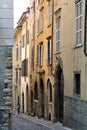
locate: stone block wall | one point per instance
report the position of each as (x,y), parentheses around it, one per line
(5,86)
(75,113)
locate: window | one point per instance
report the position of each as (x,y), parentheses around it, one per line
(58,34)
(16,76)
(79,22)
(49,51)
(49,91)
(27,39)
(25,67)
(40,22)
(77,83)
(36,91)
(17,53)
(20,52)
(23,40)
(32,59)
(49,12)
(30,78)
(32,31)
(19,77)
(34,5)
(40,54)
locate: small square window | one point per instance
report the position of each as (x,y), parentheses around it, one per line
(77,84)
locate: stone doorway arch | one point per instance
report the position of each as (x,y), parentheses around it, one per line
(32,102)
(41,98)
(59,92)
(27,99)
(23,102)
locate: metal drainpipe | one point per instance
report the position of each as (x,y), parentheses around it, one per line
(26,48)
(52,35)
(85,50)
(34,33)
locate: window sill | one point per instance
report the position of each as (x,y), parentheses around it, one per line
(50,103)
(40,66)
(77,46)
(39,33)
(49,25)
(35,100)
(49,64)
(57,52)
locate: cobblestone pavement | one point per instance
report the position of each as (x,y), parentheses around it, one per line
(24,122)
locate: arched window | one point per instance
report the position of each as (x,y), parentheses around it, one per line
(36,91)
(49,85)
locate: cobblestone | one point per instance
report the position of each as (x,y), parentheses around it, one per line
(24,122)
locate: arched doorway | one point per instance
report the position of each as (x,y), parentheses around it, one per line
(36,91)
(31,101)
(23,102)
(49,99)
(36,99)
(27,99)
(42,97)
(59,94)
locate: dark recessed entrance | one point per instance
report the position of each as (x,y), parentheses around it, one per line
(42,97)
(23,102)
(27,99)
(59,94)
(31,101)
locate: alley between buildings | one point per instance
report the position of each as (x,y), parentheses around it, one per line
(24,122)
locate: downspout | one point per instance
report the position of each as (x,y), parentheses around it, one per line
(26,49)
(85,45)
(34,35)
(52,37)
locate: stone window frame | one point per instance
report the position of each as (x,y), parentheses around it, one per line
(77,86)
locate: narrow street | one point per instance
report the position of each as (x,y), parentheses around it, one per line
(24,122)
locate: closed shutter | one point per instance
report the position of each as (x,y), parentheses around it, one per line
(49,51)
(41,54)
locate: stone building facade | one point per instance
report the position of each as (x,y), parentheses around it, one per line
(21,63)
(57,77)
(6,44)
(17,66)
